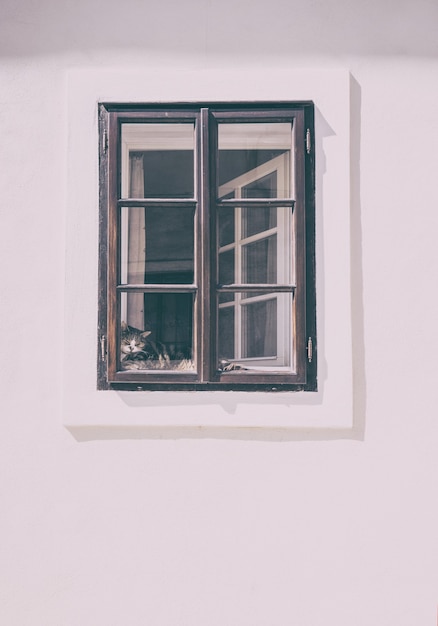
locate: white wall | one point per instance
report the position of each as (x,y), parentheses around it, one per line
(224,527)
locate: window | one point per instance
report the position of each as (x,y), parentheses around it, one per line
(207,277)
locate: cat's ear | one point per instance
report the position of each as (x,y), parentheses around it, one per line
(123,326)
(145,334)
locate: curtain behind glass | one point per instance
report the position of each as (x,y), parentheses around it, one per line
(136,244)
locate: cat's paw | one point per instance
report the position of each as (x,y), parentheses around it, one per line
(228,366)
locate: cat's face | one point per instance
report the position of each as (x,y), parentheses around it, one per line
(133,342)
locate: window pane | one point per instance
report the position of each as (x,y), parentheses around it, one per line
(254,332)
(258,219)
(157,245)
(226,267)
(255,160)
(259,262)
(260,329)
(156,331)
(264,187)
(262,249)
(226,333)
(226,231)
(158,160)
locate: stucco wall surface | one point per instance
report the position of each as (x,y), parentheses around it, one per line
(174,527)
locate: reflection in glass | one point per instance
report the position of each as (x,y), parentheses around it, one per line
(156,331)
(157,245)
(158,160)
(255,160)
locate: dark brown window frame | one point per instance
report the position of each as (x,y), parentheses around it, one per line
(205,116)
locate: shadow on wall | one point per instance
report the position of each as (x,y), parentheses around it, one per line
(230,401)
(223,28)
(357,304)
(104,433)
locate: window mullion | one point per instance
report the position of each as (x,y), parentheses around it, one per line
(203,322)
(238,272)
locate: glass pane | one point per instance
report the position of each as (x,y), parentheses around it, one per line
(225,297)
(255,160)
(262,251)
(258,219)
(254,332)
(158,160)
(264,187)
(226,267)
(226,333)
(260,329)
(156,331)
(226,227)
(259,262)
(157,245)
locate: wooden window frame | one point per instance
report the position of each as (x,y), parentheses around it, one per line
(206,117)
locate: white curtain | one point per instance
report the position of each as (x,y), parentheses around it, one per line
(136,244)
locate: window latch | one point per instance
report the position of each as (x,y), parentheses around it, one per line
(308,141)
(103,347)
(309,349)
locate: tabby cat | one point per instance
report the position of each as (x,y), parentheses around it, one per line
(140,353)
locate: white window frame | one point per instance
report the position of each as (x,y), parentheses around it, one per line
(285,234)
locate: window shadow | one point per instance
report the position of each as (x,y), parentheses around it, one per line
(357,303)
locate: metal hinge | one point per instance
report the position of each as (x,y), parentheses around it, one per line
(309,349)
(104,141)
(308,141)
(103,348)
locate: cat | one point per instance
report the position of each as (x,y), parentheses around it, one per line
(132,343)
(140,353)
(228,366)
